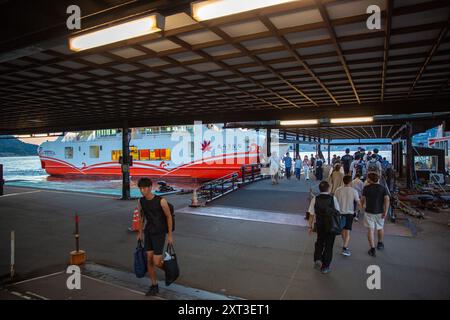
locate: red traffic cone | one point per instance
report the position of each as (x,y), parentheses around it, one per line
(136,220)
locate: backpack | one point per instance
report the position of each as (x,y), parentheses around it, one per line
(372,166)
(328,215)
(359,167)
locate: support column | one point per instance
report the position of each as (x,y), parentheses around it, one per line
(409,157)
(329,152)
(269,142)
(126,161)
(2,182)
(297,145)
(400,158)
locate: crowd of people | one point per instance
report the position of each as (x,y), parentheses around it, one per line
(356,184)
(352,187)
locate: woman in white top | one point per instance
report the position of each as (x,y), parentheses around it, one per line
(306,166)
(274,167)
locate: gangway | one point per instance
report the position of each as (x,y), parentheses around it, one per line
(217,188)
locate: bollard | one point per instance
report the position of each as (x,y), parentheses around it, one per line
(194,201)
(78,256)
(13,239)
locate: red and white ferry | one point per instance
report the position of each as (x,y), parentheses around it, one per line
(155,152)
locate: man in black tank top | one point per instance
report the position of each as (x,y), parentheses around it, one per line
(155,213)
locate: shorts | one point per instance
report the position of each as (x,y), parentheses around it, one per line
(155,243)
(346,221)
(373,221)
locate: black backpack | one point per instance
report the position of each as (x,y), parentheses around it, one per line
(327,213)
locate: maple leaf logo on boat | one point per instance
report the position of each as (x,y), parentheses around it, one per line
(206,146)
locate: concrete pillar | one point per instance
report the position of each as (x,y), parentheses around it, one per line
(269,141)
(409,157)
(126,161)
(329,152)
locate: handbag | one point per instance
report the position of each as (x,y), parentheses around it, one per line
(171,269)
(140,260)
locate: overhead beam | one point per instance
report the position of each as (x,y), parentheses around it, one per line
(333,36)
(437,43)
(387,40)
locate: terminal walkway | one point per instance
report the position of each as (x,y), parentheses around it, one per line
(221,256)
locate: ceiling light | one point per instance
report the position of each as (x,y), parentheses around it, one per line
(351,120)
(212,9)
(299,122)
(127,30)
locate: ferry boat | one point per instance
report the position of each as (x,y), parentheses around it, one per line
(155,152)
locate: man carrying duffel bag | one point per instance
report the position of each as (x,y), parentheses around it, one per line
(157,214)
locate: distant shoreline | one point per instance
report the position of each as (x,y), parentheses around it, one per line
(11,155)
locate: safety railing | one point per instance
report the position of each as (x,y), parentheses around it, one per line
(251,173)
(214,189)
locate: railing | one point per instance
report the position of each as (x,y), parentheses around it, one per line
(251,172)
(217,188)
(214,189)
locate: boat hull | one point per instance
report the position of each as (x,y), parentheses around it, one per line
(200,170)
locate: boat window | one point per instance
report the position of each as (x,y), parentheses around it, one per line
(94,151)
(115,154)
(134,153)
(105,132)
(144,154)
(160,154)
(68,152)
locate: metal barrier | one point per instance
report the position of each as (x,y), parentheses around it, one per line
(251,172)
(217,188)
(214,189)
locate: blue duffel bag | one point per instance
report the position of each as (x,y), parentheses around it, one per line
(140,260)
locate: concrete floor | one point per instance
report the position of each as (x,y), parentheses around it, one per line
(246,259)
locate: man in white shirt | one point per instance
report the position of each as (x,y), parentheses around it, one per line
(318,208)
(347,196)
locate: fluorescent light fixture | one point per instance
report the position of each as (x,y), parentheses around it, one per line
(299,122)
(351,120)
(127,30)
(212,9)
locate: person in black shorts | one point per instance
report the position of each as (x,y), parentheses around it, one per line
(155,212)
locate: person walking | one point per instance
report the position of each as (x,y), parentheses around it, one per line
(155,213)
(375,200)
(346,161)
(312,161)
(334,160)
(274,161)
(321,206)
(319,168)
(288,165)
(298,167)
(373,165)
(358,185)
(306,165)
(336,178)
(347,197)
